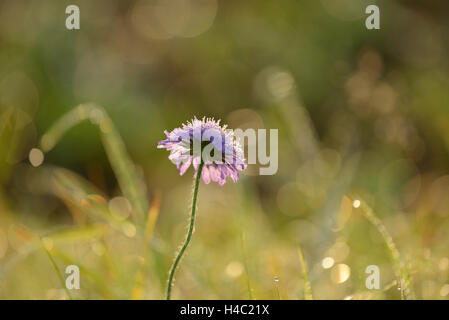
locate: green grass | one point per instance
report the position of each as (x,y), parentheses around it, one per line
(57,271)
(111,278)
(401,271)
(125,171)
(307,286)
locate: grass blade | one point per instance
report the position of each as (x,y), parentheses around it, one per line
(245,260)
(137,290)
(130,183)
(400,269)
(307,286)
(55,267)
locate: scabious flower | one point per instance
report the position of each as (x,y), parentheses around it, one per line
(205,141)
(215,154)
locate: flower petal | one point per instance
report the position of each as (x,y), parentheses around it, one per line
(196,163)
(179,142)
(214,173)
(185,166)
(205,175)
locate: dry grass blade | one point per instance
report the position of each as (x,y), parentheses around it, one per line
(137,291)
(74,191)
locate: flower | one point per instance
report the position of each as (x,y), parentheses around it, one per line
(205,141)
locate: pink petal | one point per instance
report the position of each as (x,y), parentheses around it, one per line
(205,175)
(222,181)
(185,166)
(234,175)
(174,155)
(214,173)
(196,163)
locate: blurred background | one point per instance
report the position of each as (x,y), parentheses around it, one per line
(359,112)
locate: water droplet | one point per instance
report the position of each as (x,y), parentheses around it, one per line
(327,262)
(48,243)
(36,157)
(340,273)
(129,229)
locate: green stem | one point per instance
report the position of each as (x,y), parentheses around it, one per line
(400,270)
(189,234)
(55,266)
(276,284)
(307,286)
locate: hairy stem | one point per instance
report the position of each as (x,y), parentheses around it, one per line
(189,233)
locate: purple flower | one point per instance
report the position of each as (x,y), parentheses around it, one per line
(207,142)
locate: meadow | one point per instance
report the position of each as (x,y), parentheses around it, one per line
(363,149)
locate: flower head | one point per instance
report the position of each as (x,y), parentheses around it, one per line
(205,141)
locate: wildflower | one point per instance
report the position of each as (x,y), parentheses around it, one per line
(205,141)
(214,153)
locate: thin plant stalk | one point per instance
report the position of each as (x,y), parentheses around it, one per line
(307,286)
(152,217)
(245,260)
(55,266)
(400,269)
(276,284)
(128,177)
(189,233)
